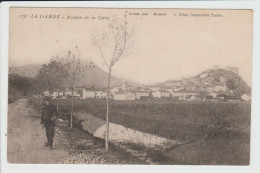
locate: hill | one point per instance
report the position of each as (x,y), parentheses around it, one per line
(97,77)
(29,70)
(212,78)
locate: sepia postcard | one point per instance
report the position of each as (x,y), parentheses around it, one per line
(129,86)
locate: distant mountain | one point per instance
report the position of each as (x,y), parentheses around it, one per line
(97,77)
(30,70)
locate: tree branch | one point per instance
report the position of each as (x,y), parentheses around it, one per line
(101,52)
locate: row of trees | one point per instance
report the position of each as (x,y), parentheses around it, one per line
(60,72)
(67,69)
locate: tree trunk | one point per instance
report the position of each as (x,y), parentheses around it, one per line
(58,104)
(72,104)
(40,99)
(107,114)
(58,101)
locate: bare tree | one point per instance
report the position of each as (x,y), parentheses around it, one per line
(111,46)
(75,72)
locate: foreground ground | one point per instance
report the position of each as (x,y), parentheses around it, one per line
(26,141)
(214,133)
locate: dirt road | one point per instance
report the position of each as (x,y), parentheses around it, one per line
(26,140)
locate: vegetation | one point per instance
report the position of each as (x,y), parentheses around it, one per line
(181,120)
(216,132)
(19,86)
(52,76)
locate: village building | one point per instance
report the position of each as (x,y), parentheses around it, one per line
(101,94)
(206,82)
(124,95)
(192,88)
(208,97)
(78,92)
(222,97)
(154,89)
(179,88)
(203,88)
(193,98)
(221,88)
(126,86)
(46,93)
(146,89)
(115,89)
(68,92)
(231,92)
(138,89)
(213,94)
(172,84)
(156,94)
(182,95)
(54,94)
(222,79)
(88,93)
(142,94)
(209,80)
(210,89)
(161,94)
(169,89)
(195,81)
(185,81)
(206,88)
(165,93)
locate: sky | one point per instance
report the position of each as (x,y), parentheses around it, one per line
(172,44)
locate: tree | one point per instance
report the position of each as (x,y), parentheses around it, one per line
(19,86)
(47,79)
(111,46)
(23,84)
(52,76)
(232,84)
(75,72)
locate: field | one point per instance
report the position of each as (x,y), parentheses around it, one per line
(215,132)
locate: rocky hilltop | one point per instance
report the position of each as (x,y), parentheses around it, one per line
(226,81)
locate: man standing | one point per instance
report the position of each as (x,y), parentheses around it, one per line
(48,119)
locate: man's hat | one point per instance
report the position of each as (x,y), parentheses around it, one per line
(47,99)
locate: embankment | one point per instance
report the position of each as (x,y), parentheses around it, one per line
(119,133)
